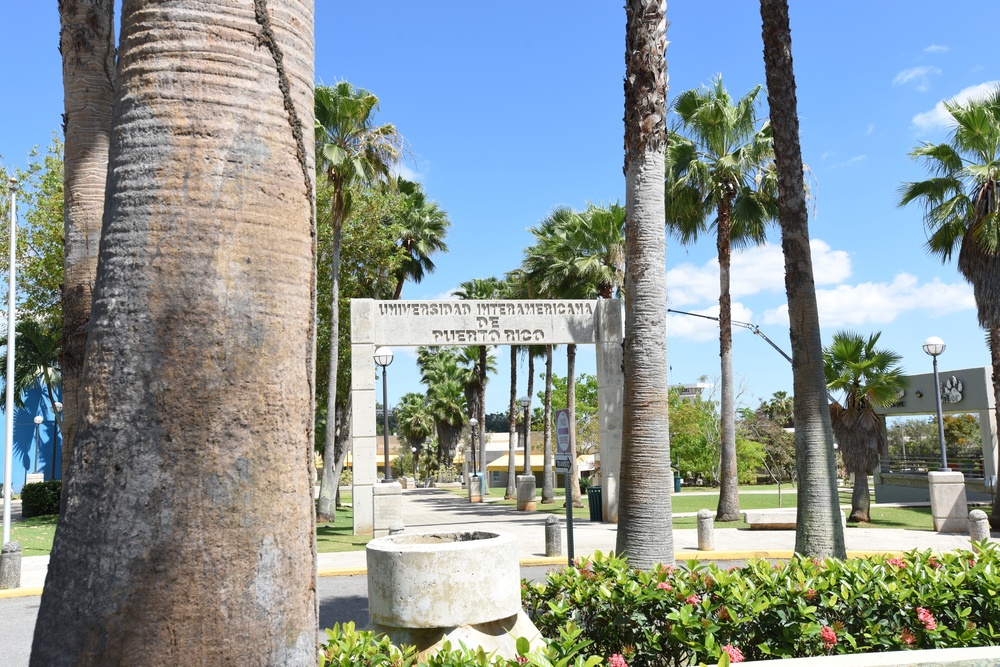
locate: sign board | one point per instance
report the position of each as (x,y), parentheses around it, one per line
(563,459)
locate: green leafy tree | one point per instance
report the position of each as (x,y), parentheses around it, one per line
(961,212)
(868,378)
(369,254)
(350,149)
(962,434)
(818,531)
(718,178)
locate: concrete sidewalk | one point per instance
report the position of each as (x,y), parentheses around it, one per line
(437,510)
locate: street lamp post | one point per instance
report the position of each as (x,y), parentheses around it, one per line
(525,401)
(383,357)
(934,346)
(38,426)
(416,471)
(8,444)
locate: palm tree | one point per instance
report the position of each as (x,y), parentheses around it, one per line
(716,165)
(818,531)
(441,373)
(869,378)
(482,289)
(87,45)
(644,526)
(414,421)
(350,149)
(36,360)
(960,211)
(201,318)
(424,225)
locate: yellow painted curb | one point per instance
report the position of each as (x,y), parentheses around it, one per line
(342,572)
(20,592)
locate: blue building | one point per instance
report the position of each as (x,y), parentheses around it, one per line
(36,447)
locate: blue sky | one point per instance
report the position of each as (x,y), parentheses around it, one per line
(511,109)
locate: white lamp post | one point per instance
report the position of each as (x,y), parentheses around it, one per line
(525,401)
(934,346)
(474,427)
(38,425)
(416,471)
(8,443)
(383,357)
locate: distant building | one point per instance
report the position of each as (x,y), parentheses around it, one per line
(689,392)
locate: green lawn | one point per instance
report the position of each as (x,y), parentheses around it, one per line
(336,536)
(34,534)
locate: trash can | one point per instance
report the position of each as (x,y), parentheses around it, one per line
(596,504)
(677,482)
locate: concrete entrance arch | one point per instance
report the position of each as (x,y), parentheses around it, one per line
(442,323)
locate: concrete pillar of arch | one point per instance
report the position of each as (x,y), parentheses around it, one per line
(609,334)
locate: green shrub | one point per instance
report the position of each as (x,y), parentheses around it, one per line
(347,647)
(671,616)
(40,498)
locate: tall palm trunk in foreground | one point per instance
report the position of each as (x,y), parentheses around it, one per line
(645,536)
(818,530)
(187,536)
(548,494)
(87,44)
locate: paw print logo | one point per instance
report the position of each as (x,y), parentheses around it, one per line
(952,390)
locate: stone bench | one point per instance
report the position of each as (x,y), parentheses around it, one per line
(776,519)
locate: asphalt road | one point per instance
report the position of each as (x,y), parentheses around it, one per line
(341,599)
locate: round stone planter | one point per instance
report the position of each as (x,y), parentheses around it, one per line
(463,586)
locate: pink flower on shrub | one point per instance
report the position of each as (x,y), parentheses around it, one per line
(898,562)
(693,599)
(907,637)
(664,586)
(667,569)
(617,661)
(521,660)
(934,562)
(829,636)
(735,655)
(811,593)
(927,618)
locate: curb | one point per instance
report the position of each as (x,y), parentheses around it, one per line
(20,592)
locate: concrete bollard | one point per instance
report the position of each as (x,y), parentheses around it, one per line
(553,537)
(10,565)
(706,531)
(526,493)
(979,526)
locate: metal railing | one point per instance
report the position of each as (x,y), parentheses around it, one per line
(970,466)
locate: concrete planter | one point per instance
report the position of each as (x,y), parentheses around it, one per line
(464,587)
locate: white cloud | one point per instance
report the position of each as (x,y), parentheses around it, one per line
(700,329)
(882,303)
(850,162)
(936,48)
(755,270)
(919,76)
(871,128)
(938,117)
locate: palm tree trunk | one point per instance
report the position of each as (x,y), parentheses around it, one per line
(87,44)
(995,359)
(861,501)
(818,531)
(548,494)
(530,394)
(645,536)
(729,499)
(511,492)
(571,410)
(326,510)
(188,536)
